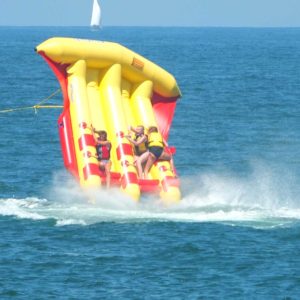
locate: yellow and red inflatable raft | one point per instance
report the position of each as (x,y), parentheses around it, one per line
(109,87)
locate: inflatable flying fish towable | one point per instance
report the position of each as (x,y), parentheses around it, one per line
(108,87)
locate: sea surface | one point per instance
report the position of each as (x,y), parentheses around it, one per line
(236,232)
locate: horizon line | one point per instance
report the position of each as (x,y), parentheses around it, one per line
(158,26)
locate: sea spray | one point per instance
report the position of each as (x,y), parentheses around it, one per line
(262,197)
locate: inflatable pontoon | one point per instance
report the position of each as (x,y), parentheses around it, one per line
(109,87)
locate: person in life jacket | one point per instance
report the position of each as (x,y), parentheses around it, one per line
(156,150)
(140,142)
(103,147)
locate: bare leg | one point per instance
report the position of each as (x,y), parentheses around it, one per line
(106,168)
(140,162)
(150,161)
(167,156)
(172,165)
(107,173)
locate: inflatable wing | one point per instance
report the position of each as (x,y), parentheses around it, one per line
(109,87)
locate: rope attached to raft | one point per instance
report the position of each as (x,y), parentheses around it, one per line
(37,106)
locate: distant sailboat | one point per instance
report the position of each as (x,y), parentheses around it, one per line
(96,15)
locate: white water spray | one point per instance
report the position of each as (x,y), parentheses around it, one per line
(262,197)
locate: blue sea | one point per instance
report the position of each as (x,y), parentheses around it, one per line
(236,232)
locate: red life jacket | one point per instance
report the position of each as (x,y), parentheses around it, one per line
(103,152)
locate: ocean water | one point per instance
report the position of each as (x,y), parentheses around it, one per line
(236,232)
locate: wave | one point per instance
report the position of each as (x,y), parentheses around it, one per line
(260,200)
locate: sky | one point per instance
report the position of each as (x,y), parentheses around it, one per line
(233,13)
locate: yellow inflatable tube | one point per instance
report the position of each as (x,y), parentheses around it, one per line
(109,87)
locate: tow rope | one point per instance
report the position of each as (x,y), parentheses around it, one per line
(36,106)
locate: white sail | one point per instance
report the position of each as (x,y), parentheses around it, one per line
(96,15)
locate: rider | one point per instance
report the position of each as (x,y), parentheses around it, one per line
(140,142)
(103,147)
(156,149)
